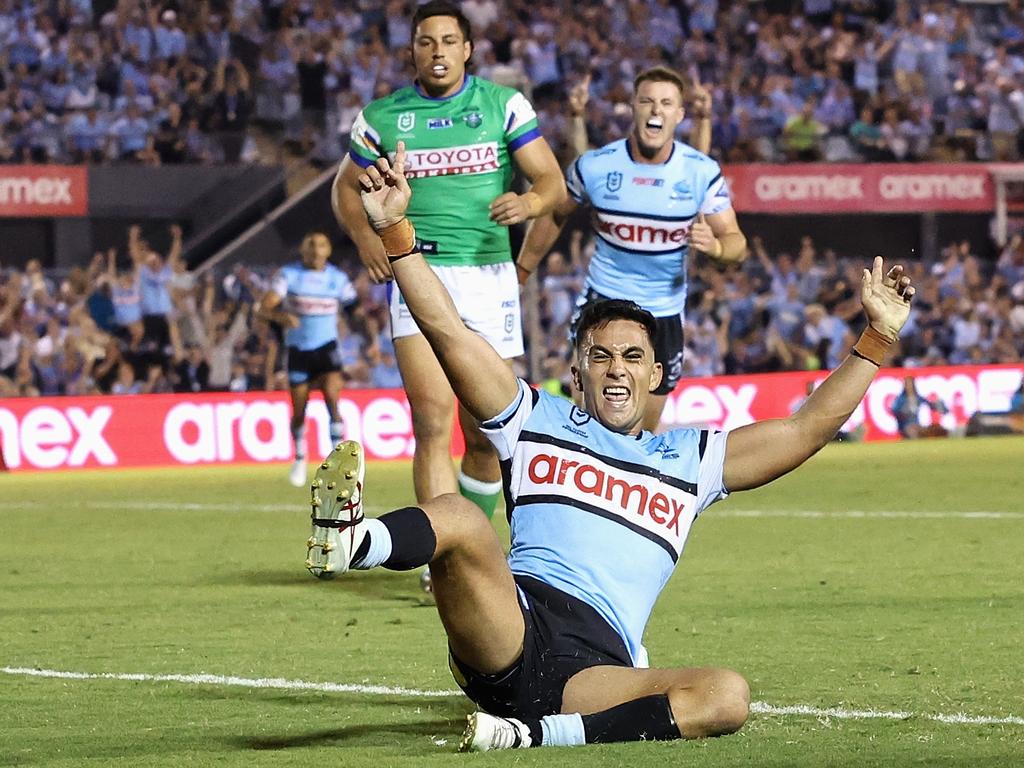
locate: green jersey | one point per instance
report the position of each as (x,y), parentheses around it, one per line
(458,159)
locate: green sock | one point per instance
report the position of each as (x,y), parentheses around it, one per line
(485,495)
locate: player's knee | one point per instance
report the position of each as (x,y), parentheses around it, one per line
(729,702)
(431,422)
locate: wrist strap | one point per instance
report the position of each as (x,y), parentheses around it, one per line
(872,346)
(399,240)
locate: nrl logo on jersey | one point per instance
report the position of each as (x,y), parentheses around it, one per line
(613,181)
(406,121)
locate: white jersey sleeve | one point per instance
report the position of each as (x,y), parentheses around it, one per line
(716,196)
(710,487)
(503,430)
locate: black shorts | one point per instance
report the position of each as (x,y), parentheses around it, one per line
(563,636)
(668,343)
(305,365)
(156,331)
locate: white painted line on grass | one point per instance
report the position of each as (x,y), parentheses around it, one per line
(277,683)
(158,506)
(870,513)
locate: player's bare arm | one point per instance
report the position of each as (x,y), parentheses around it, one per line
(538,164)
(761,452)
(541,236)
(699,107)
(479,377)
(269,308)
(579,97)
(718,236)
(348,210)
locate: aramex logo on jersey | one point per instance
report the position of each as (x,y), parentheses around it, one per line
(641,500)
(445,161)
(634,233)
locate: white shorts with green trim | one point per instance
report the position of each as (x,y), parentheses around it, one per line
(487,298)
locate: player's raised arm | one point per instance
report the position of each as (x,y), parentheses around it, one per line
(760,452)
(348,210)
(480,378)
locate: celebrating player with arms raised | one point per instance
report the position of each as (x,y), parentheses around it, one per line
(599,510)
(652,199)
(463,135)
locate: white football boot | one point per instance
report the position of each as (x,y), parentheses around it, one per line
(485,732)
(337,499)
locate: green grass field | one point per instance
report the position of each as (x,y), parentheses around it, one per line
(860,585)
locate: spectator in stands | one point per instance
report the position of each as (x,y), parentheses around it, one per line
(802,134)
(906,409)
(231,108)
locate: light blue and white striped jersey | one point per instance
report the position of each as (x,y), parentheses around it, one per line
(315,296)
(597,514)
(642,215)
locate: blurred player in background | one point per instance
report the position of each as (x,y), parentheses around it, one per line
(304,299)
(463,134)
(600,511)
(652,199)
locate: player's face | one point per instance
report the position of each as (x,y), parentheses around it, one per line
(316,250)
(440,53)
(615,372)
(657,110)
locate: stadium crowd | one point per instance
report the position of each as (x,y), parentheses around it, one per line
(184,80)
(138,322)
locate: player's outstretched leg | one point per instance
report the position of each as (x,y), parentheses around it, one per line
(337,500)
(603,705)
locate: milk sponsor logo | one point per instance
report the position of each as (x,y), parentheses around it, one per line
(446,161)
(637,499)
(635,233)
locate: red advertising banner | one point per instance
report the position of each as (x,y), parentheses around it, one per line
(43,190)
(224,428)
(861,188)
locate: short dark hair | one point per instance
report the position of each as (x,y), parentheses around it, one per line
(597,314)
(442,8)
(661,74)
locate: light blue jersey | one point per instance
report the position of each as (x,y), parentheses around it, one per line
(600,515)
(642,215)
(315,296)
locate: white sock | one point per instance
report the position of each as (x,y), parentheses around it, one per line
(482,487)
(299,436)
(337,430)
(562,730)
(380,545)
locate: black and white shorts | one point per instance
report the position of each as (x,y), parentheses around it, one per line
(563,636)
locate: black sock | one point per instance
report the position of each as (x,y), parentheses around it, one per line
(412,538)
(646,719)
(536,732)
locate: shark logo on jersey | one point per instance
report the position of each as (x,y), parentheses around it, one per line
(680,191)
(613,181)
(406,121)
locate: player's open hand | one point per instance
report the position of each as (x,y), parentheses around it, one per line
(510,208)
(702,237)
(886,298)
(385,191)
